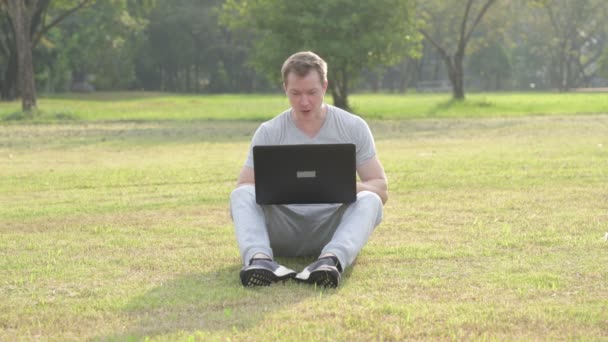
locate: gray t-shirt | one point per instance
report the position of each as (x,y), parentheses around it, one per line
(340,127)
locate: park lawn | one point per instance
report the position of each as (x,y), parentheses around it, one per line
(120,230)
(142,106)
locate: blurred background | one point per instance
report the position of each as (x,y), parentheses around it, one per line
(216,46)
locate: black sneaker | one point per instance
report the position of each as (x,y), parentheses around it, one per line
(324,272)
(263,272)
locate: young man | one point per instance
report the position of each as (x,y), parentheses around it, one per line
(334,232)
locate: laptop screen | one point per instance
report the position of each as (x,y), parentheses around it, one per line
(309,173)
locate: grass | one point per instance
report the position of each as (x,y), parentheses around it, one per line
(118,230)
(145,106)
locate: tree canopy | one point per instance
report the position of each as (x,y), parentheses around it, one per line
(349,34)
(202,46)
(27,22)
(448,25)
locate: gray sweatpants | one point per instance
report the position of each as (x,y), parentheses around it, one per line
(304,229)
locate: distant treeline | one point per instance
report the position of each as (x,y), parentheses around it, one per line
(193,46)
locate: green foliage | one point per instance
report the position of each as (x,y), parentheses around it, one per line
(448,26)
(348,34)
(99,44)
(604,63)
(186,50)
(568,38)
(443,20)
(491,65)
(181,46)
(94,45)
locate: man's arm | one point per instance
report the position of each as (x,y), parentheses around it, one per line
(373,178)
(246,176)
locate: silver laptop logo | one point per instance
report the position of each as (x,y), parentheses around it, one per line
(306,174)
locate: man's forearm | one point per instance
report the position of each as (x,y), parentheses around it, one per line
(377,186)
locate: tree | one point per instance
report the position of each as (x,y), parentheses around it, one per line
(187,51)
(28,26)
(20,15)
(349,34)
(491,65)
(98,47)
(450,32)
(577,39)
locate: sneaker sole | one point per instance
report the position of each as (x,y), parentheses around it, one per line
(258,277)
(262,277)
(324,278)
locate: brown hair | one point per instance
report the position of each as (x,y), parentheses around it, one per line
(301,63)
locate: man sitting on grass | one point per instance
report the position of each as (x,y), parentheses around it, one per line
(334,232)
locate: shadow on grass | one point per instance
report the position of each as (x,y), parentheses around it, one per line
(444,107)
(110,95)
(209,302)
(39,117)
(72,133)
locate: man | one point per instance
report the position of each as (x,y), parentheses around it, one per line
(334,232)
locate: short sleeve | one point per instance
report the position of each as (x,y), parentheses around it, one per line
(260,137)
(364,140)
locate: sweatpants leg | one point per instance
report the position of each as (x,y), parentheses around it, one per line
(355,228)
(303,230)
(249,223)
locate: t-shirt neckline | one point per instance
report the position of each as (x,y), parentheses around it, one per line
(321,129)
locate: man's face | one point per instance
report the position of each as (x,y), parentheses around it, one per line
(305,94)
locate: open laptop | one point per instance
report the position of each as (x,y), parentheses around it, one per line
(310,173)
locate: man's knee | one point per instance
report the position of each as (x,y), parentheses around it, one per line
(369,200)
(242,197)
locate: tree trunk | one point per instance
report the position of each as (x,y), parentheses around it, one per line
(339,100)
(458,86)
(21,17)
(339,90)
(456,75)
(8,80)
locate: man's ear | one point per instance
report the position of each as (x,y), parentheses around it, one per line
(325,84)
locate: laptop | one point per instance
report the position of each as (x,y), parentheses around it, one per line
(304,174)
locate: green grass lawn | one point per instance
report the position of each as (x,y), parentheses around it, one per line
(114,230)
(161,106)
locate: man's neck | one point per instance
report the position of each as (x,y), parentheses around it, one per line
(310,125)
